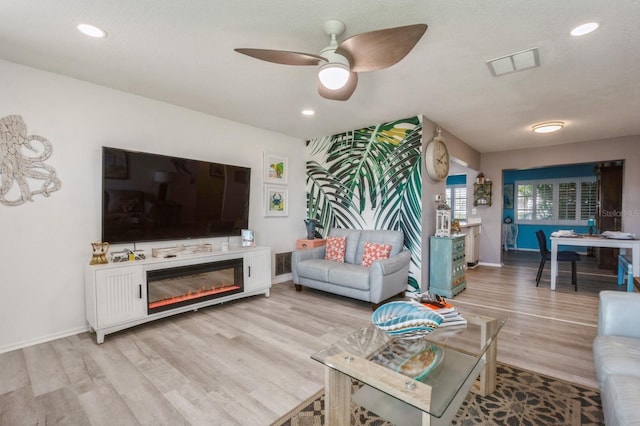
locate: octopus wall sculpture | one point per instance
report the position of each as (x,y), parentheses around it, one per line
(20,168)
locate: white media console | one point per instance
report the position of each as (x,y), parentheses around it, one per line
(116,293)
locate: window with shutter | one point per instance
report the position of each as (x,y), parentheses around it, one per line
(524,202)
(567,201)
(567,193)
(544,201)
(457,199)
(588,199)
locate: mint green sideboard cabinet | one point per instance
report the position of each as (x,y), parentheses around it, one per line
(447,265)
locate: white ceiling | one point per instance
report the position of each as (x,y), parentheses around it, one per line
(181,52)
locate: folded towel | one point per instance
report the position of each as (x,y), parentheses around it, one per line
(564,233)
(618,235)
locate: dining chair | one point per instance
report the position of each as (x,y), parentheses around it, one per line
(563,256)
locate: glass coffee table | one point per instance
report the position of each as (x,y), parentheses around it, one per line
(420,381)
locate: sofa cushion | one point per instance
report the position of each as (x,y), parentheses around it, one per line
(374,251)
(395,238)
(347,275)
(616,355)
(353,237)
(619,400)
(315,269)
(335,248)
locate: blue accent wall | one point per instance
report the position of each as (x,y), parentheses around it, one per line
(457,180)
(526,233)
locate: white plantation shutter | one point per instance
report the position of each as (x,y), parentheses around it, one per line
(567,201)
(524,202)
(567,197)
(457,199)
(544,201)
(588,194)
(460,203)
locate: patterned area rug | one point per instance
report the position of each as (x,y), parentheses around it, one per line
(521,398)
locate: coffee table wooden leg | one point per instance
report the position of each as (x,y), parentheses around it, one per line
(487,382)
(337,398)
(488,374)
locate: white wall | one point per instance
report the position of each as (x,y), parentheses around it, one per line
(45,244)
(623,148)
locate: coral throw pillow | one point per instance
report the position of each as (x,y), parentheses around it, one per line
(336,248)
(373,252)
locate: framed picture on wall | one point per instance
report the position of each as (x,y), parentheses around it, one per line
(276,201)
(276,169)
(507,193)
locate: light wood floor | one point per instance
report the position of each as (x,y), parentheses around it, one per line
(248,362)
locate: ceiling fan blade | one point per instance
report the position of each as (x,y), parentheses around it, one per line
(283,57)
(380,49)
(341,94)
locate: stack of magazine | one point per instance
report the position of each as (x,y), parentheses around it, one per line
(440,305)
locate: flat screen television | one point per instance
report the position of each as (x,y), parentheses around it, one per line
(151,197)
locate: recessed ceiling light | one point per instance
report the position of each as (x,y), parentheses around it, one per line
(92,31)
(548,127)
(583,29)
(308,112)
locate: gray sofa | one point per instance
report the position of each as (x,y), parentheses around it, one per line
(616,354)
(377,283)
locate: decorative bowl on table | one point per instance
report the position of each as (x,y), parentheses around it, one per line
(406,320)
(421,364)
(414,358)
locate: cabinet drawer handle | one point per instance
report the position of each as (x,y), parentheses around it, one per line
(140,291)
(249,271)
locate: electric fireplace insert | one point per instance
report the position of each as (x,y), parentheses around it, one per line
(185,285)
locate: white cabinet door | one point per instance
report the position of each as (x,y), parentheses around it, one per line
(121,295)
(472,246)
(257,270)
(476,245)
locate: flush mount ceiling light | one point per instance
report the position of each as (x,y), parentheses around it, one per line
(584,29)
(518,61)
(308,112)
(92,31)
(548,127)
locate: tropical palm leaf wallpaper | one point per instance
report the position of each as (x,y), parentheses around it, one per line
(370,178)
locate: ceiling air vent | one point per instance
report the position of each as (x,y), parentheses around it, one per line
(514,62)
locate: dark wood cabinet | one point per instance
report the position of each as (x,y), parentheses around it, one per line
(609,218)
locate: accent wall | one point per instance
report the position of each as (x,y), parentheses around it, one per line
(370,178)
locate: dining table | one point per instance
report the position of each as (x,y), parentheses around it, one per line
(625,245)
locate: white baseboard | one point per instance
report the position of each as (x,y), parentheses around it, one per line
(25,343)
(282,278)
(493,265)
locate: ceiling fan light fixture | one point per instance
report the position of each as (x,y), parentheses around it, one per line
(548,127)
(333,76)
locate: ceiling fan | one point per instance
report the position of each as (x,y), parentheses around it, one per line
(341,63)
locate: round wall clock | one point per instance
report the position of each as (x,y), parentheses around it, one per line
(436,158)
